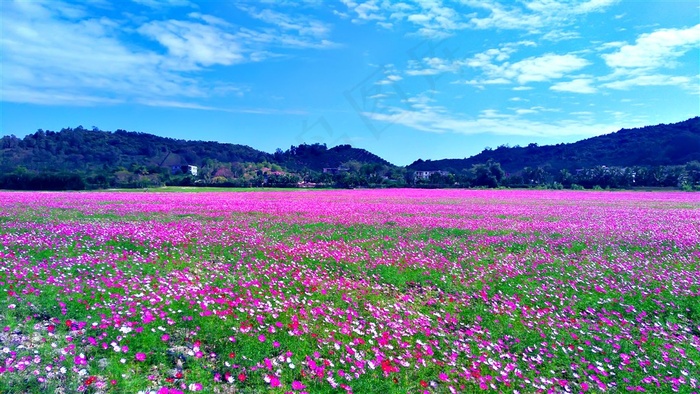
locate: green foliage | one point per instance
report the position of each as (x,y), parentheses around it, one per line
(651,146)
(77,159)
(21,180)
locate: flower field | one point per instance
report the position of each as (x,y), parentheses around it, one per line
(362,291)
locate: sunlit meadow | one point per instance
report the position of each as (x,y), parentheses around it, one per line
(350,291)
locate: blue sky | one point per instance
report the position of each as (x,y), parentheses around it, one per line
(406,79)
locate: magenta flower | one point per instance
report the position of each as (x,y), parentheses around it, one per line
(140,356)
(80,360)
(274,381)
(261,338)
(167,390)
(297,385)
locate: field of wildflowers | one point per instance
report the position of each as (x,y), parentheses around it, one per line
(350,291)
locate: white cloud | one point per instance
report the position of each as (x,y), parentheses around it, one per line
(654,80)
(365,11)
(212,20)
(57,53)
(640,64)
(163,3)
(560,35)
(50,59)
(569,7)
(593,6)
(501,17)
(525,111)
(609,45)
(303,26)
(389,79)
(432,66)
(581,85)
(533,69)
(275,39)
(195,106)
(658,49)
(542,68)
(436,119)
(193,44)
(437,19)
(485,60)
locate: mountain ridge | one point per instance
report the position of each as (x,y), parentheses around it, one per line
(623,148)
(86,151)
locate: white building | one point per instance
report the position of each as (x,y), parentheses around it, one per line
(425,175)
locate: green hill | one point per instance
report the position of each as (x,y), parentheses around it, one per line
(664,144)
(80,158)
(87,150)
(316,157)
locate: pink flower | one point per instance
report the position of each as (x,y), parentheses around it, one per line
(140,356)
(80,360)
(261,338)
(165,337)
(274,381)
(297,385)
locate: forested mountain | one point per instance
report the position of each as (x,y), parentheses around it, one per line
(83,149)
(86,150)
(132,159)
(316,157)
(660,145)
(653,156)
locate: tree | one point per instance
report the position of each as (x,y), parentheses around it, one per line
(483,176)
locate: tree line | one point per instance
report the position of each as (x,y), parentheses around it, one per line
(84,159)
(354,174)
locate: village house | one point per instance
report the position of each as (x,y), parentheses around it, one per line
(187,169)
(425,175)
(335,170)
